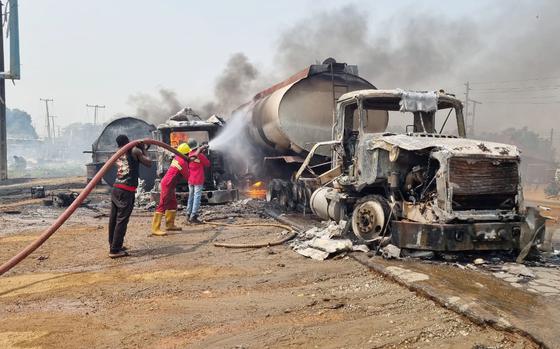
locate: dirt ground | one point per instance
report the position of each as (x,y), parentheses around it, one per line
(180,291)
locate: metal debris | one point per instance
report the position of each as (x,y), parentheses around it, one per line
(64,199)
(518,270)
(391,251)
(479,261)
(143,198)
(37,192)
(330,245)
(322,243)
(360,248)
(312,253)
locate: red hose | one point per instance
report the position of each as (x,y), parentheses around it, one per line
(70,210)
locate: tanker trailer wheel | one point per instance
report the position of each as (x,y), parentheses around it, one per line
(272,190)
(286,198)
(370,217)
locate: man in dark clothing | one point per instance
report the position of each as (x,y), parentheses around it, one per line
(123,193)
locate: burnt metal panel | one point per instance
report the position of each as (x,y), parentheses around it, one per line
(297,113)
(456,237)
(483,176)
(106,144)
(483,183)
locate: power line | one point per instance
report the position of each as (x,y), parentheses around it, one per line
(519,89)
(518,102)
(95,108)
(516,80)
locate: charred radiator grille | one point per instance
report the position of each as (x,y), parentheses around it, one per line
(483,183)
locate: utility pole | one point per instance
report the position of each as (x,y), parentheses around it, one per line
(473,114)
(48,118)
(53,132)
(11,18)
(467,102)
(95,108)
(3,134)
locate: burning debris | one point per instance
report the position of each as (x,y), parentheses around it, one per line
(256,190)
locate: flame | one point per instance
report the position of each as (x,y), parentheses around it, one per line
(257,190)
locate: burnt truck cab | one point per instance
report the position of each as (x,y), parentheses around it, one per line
(425,188)
(181,128)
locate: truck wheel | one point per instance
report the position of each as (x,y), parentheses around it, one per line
(270,193)
(370,217)
(273,190)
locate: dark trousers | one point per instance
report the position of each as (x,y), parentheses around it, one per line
(122,203)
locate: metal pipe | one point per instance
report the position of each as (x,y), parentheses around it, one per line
(12,262)
(13,31)
(3,125)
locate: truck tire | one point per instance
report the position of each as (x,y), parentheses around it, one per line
(369,218)
(282,191)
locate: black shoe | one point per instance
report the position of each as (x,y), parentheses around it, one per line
(195,220)
(124,248)
(119,254)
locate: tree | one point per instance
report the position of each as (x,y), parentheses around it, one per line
(18,123)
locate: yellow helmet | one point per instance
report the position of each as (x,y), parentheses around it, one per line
(184,148)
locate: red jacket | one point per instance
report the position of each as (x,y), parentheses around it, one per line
(196,169)
(179,167)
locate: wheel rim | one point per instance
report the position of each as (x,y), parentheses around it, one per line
(368,220)
(270,193)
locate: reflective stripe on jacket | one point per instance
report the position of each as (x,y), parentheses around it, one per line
(178,167)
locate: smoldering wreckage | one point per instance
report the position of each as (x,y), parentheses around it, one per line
(350,170)
(320,141)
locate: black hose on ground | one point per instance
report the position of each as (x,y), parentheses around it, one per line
(290,236)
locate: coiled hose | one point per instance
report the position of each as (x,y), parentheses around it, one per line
(290,236)
(83,195)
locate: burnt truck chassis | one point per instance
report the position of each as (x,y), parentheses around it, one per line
(216,188)
(422,190)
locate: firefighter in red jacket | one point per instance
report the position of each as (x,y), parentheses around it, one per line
(196,179)
(167,200)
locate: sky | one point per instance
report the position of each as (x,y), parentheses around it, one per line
(103,52)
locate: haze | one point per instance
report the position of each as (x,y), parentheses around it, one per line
(119,53)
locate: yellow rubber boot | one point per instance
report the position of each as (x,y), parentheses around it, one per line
(156,224)
(170,221)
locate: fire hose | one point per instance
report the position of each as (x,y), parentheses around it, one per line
(12,262)
(290,236)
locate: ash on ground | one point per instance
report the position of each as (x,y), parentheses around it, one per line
(325,241)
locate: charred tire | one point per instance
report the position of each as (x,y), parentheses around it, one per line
(283,192)
(270,192)
(369,217)
(273,190)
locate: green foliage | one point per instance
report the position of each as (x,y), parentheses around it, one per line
(18,123)
(530,142)
(552,189)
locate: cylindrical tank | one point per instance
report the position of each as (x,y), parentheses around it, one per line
(91,170)
(298,112)
(324,207)
(105,146)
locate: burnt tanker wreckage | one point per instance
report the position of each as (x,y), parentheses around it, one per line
(181,127)
(421,189)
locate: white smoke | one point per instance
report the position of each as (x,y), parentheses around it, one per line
(233,141)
